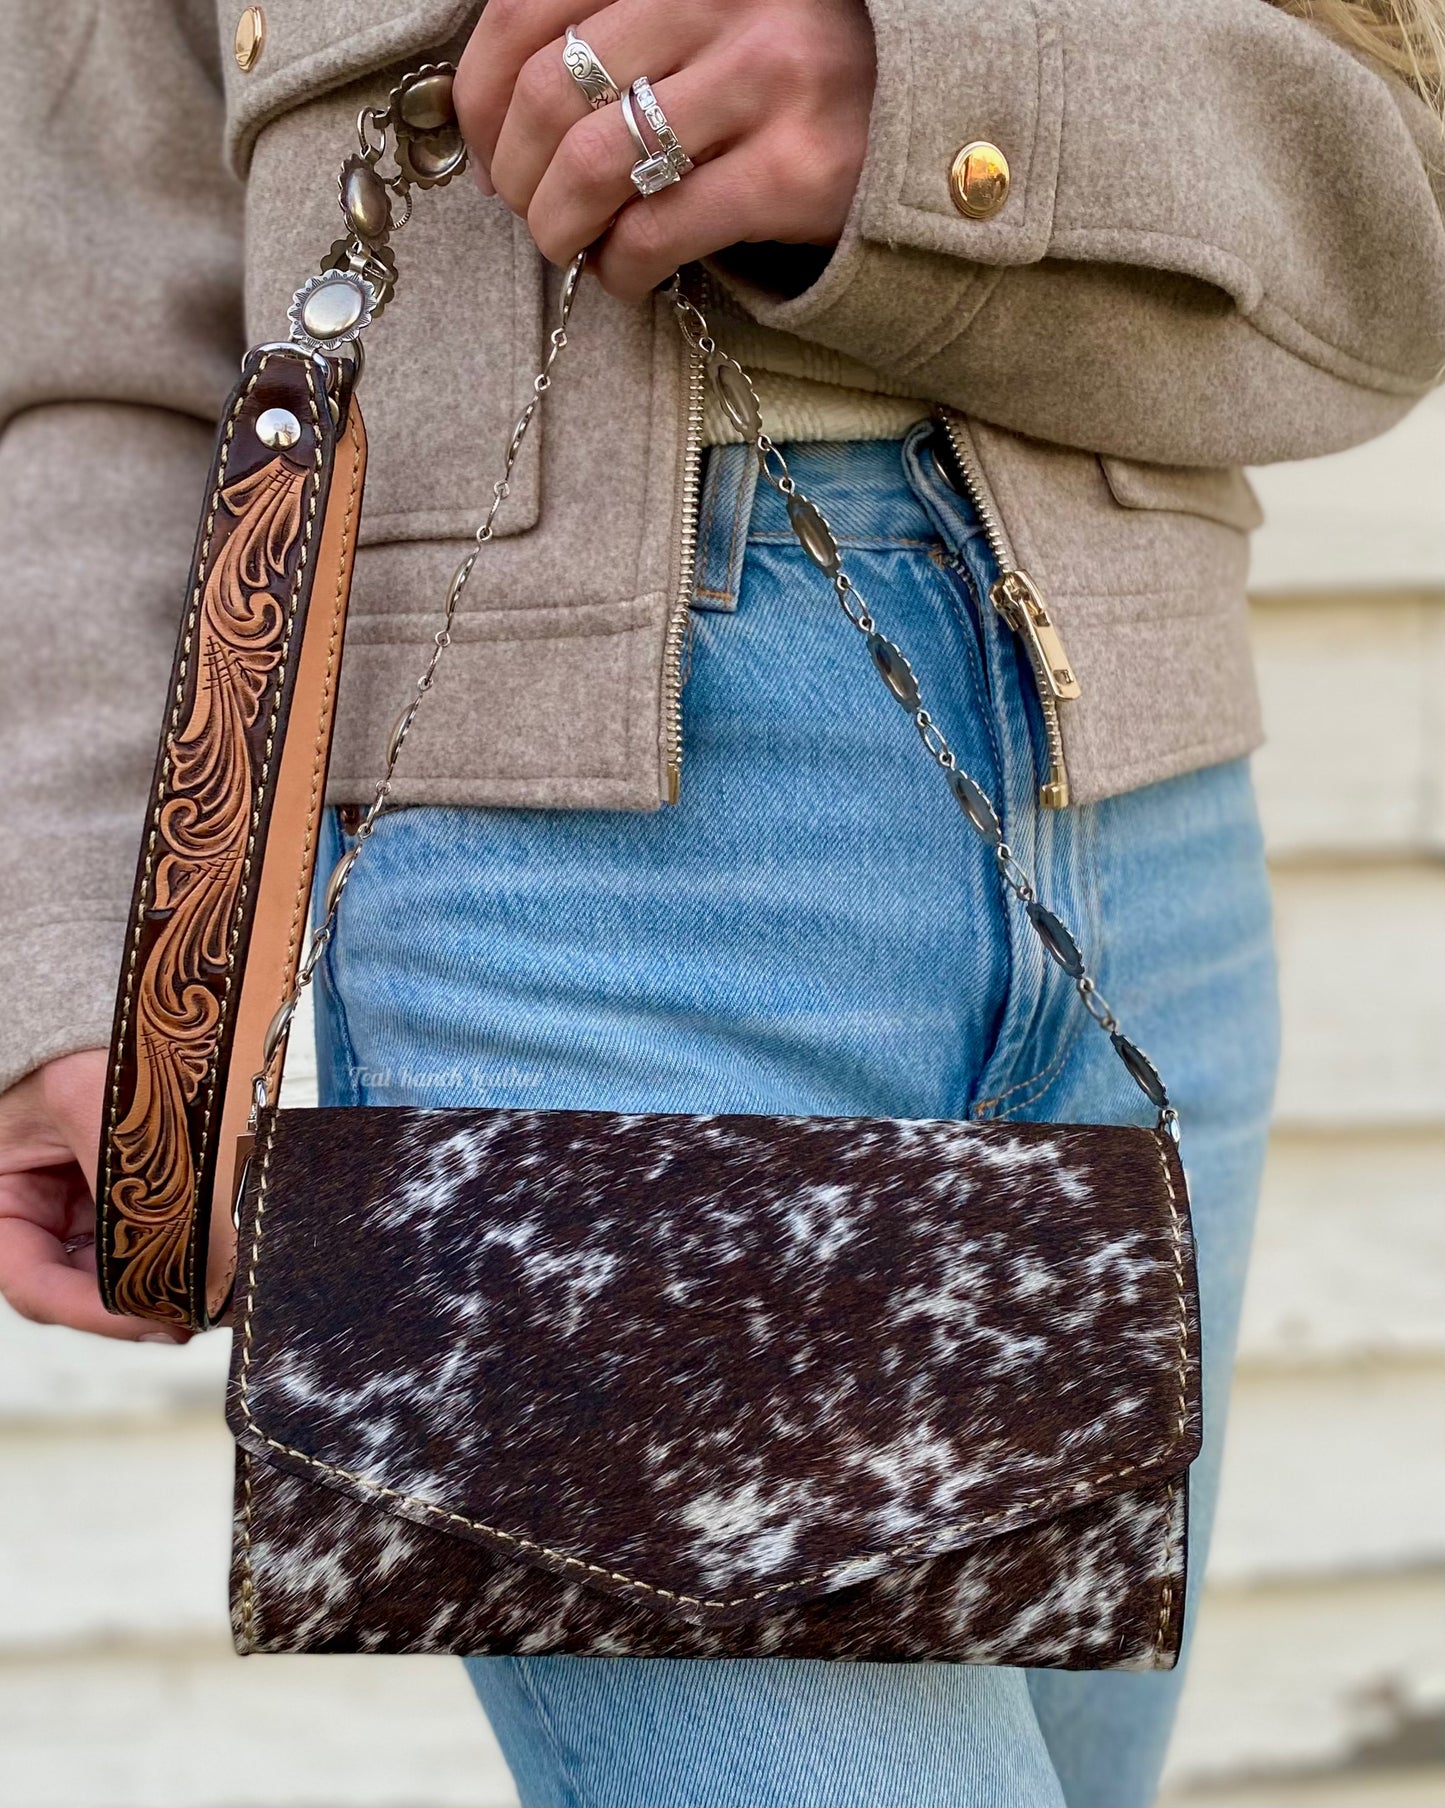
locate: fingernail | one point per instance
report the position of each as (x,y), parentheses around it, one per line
(482,179)
(156,1337)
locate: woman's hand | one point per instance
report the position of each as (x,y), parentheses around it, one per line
(49,1136)
(770,98)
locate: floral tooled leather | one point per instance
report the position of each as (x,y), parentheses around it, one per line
(206,835)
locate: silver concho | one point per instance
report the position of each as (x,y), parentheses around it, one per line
(737,395)
(1059,941)
(1142,1070)
(429,146)
(331,309)
(377,263)
(814,534)
(894,669)
(364,200)
(975,804)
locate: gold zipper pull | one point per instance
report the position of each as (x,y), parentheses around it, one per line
(1017,599)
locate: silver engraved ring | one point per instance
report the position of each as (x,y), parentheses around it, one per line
(652,170)
(657,119)
(585,67)
(669,163)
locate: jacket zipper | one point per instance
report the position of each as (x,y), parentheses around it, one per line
(1018,600)
(674,649)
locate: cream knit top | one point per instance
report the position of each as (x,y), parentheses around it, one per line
(806,391)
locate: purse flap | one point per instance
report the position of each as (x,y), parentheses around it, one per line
(715,1362)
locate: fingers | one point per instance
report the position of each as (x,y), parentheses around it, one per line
(52,1286)
(789,83)
(715,205)
(53,1114)
(546,102)
(74,1090)
(512,74)
(507,33)
(588,179)
(49,1132)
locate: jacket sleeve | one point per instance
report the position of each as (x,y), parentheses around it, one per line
(119,339)
(1220,245)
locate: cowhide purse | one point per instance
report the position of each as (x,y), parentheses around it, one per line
(589,1382)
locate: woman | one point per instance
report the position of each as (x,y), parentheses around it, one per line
(1129,247)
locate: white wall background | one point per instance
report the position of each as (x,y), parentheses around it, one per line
(1319,1676)
(1320,1670)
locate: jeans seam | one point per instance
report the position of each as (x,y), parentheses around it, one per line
(981,694)
(959,579)
(776,536)
(544,1721)
(955,573)
(1042,1078)
(742,509)
(742,506)
(337,1003)
(1045,1078)
(704,535)
(1086,822)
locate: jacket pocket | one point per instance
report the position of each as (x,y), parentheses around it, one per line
(313,47)
(1220,493)
(450,362)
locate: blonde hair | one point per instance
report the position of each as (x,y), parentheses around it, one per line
(1406,37)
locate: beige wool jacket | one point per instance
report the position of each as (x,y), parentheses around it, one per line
(1222,244)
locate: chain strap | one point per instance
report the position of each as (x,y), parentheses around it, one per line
(340,874)
(739,400)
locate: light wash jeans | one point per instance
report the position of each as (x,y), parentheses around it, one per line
(815,929)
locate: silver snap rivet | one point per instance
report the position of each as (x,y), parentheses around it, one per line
(278,428)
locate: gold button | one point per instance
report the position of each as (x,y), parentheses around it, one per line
(978,180)
(250,38)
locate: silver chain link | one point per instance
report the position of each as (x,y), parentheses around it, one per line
(739,399)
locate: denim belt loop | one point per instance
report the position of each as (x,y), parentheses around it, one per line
(725,511)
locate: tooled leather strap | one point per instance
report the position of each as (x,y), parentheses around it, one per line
(219,911)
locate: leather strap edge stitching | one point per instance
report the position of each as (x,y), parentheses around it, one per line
(158,797)
(103,1183)
(258,789)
